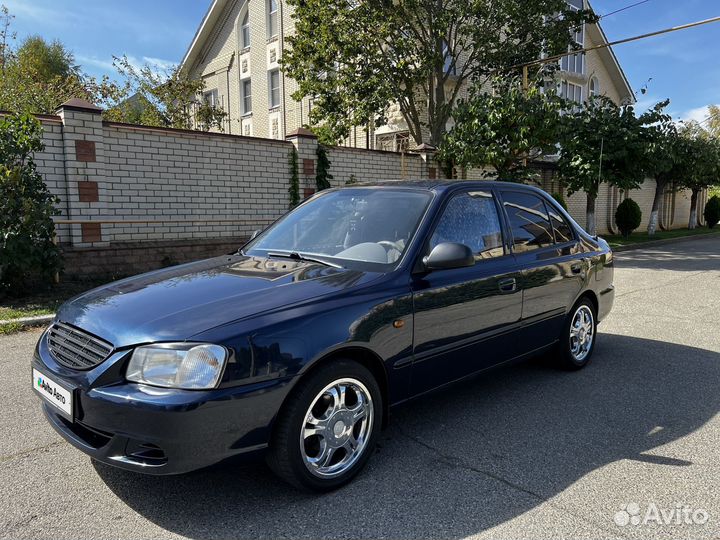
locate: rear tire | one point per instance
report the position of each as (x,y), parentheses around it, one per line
(327,430)
(577,341)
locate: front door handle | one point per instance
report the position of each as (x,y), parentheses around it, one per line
(507,285)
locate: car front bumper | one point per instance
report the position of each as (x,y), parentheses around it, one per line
(156,430)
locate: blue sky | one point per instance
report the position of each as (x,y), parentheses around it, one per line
(683,66)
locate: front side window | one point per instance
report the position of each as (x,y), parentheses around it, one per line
(272,18)
(245,31)
(274,82)
(471,218)
(353,227)
(247,96)
(563,232)
(529,221)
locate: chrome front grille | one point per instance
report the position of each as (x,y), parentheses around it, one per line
(75,348)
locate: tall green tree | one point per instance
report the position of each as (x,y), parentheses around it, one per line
(704,166)
(38,76)
(667,158)
(164,98)
(504,129)
(359,59)
(604,142)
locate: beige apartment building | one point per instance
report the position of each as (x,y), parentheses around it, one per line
(237,50)
(239,44)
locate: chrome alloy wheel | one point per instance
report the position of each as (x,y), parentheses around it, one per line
(337,428)
(582,333)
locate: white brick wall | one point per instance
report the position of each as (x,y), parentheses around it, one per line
(188,181)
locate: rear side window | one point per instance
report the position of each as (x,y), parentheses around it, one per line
(471,218)
(563,232)
(529,221)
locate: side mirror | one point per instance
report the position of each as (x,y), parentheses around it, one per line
(449,255)
(254,234)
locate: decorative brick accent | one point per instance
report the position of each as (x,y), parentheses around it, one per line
(91,232)
(308,167)
(432,173)
(85,151)
(88,191)
(308,192)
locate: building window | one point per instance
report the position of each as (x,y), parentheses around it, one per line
(448,66)
(575,63)
(274,84)
(594,87)
(272,18)
(247,96)
(245,31)
(211,98)
(570,91)
(393,142)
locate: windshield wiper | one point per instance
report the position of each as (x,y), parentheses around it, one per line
(297,256)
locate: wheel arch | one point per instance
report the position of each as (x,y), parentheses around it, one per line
(363,356)
(590,295)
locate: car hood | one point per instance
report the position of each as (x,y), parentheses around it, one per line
(176,303)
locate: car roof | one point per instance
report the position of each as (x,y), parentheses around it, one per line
(442,185)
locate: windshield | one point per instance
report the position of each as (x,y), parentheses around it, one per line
(351,225)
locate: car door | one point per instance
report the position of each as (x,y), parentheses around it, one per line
(549,258)
(463,315)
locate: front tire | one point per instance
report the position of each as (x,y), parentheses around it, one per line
(327,430)
(577,341)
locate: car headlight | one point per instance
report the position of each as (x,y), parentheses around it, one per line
(192,366)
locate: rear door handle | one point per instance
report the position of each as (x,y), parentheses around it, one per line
(507,285)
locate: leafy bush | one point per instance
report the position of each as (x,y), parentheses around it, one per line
(712,211)
(560,199)
(28,256)
(628,216)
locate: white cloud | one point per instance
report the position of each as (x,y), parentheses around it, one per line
(698,114)
(106,65)
(159,62)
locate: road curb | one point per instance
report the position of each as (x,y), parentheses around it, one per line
(664,242)
(26,322)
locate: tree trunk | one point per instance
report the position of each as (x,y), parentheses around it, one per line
(692,222)
(659,192)
(590,214)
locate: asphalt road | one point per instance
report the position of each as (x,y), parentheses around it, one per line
(525,451)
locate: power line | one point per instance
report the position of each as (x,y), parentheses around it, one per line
(624,8)
(618,42)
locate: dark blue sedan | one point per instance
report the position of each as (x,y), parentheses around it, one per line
(298,346)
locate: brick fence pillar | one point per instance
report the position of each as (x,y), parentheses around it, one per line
(306,144)
(430,169)
(84,169)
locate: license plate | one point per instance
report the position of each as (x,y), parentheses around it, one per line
(60,397)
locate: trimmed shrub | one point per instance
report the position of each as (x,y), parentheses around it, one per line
(28,255)
(712,211)
(322,174)
(294,189)
(560,199)
(628,216)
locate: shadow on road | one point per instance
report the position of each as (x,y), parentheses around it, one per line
(463,460)
(692,256)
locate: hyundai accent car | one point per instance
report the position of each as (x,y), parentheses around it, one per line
(298,346)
